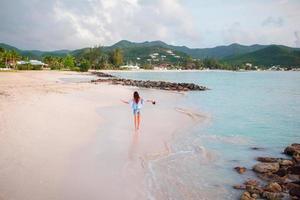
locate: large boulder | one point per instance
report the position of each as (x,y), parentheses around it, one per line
(246,196)
(292,149)
(273,187)
(286,163)
(295,192)
(252,189)
(295,170)
(251,182)
(268,159)
(266,167)
(283,171)
(272,196)
(296,158)
(270,177)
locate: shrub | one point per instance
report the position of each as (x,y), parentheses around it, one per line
(84,66)
(24,67)
(36,67)
(77,69)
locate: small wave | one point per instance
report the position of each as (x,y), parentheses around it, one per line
(232,139)
(194,115)
(207,156)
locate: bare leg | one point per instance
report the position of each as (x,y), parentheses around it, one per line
(138,120)
(135,121)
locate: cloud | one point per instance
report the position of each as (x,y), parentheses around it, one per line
(297,36)
(236,33)
(271,21)
(61,24)
(77,23)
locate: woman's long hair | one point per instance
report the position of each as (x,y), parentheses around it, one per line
(136,97)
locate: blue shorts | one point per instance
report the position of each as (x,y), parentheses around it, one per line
(136,111)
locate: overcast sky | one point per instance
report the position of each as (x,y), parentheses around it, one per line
(71,24)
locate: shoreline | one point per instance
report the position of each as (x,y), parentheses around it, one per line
(192,70)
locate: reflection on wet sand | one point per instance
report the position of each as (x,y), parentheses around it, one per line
(133,148)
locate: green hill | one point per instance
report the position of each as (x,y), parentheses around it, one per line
(263,55)
(35,54)
(9,47)
(220,51)
(269,56)
(216,52)
(159,54)
(141,52)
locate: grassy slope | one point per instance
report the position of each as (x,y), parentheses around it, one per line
(271,55)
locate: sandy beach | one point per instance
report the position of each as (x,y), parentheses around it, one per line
(62,137)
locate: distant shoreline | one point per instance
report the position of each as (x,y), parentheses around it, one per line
(192,70)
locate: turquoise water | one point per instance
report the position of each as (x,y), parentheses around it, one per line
(245,109)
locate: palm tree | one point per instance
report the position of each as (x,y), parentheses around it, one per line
(7,56)
(14,57)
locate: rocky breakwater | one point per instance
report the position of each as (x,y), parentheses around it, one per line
(103,75)
(279,177)
(162,85)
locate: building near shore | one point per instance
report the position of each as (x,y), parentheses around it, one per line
(31,62)
(130,67)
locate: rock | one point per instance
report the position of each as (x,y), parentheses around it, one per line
(295,192)
(255,196)
(296,158)
(257,148)
(240,170)
(282,172)
(272,177)
(294,170)
(292,185)
(293,177)
(272,196)
(266,167)
(148,84)
(252,182)
(253,189)
(292,149)
(101,74)
(286,163)
(246,196)
(273,187)
(268,159)
(239,187)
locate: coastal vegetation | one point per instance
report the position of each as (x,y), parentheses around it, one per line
(90,58)
(156,55)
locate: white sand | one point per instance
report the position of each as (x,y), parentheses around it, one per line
(64,140)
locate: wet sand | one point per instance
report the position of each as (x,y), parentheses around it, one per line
(61,138)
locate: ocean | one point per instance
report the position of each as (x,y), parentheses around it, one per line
(243,110)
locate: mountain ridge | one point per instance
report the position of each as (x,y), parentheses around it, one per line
(234,54)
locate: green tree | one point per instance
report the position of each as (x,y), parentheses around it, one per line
(95,56)
(69,61)
(212,63)
(54,62)
(14,57)
(2,51)
(84,65)
(117,57)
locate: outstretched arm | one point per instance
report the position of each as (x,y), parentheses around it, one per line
(151,101)
(127,102)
